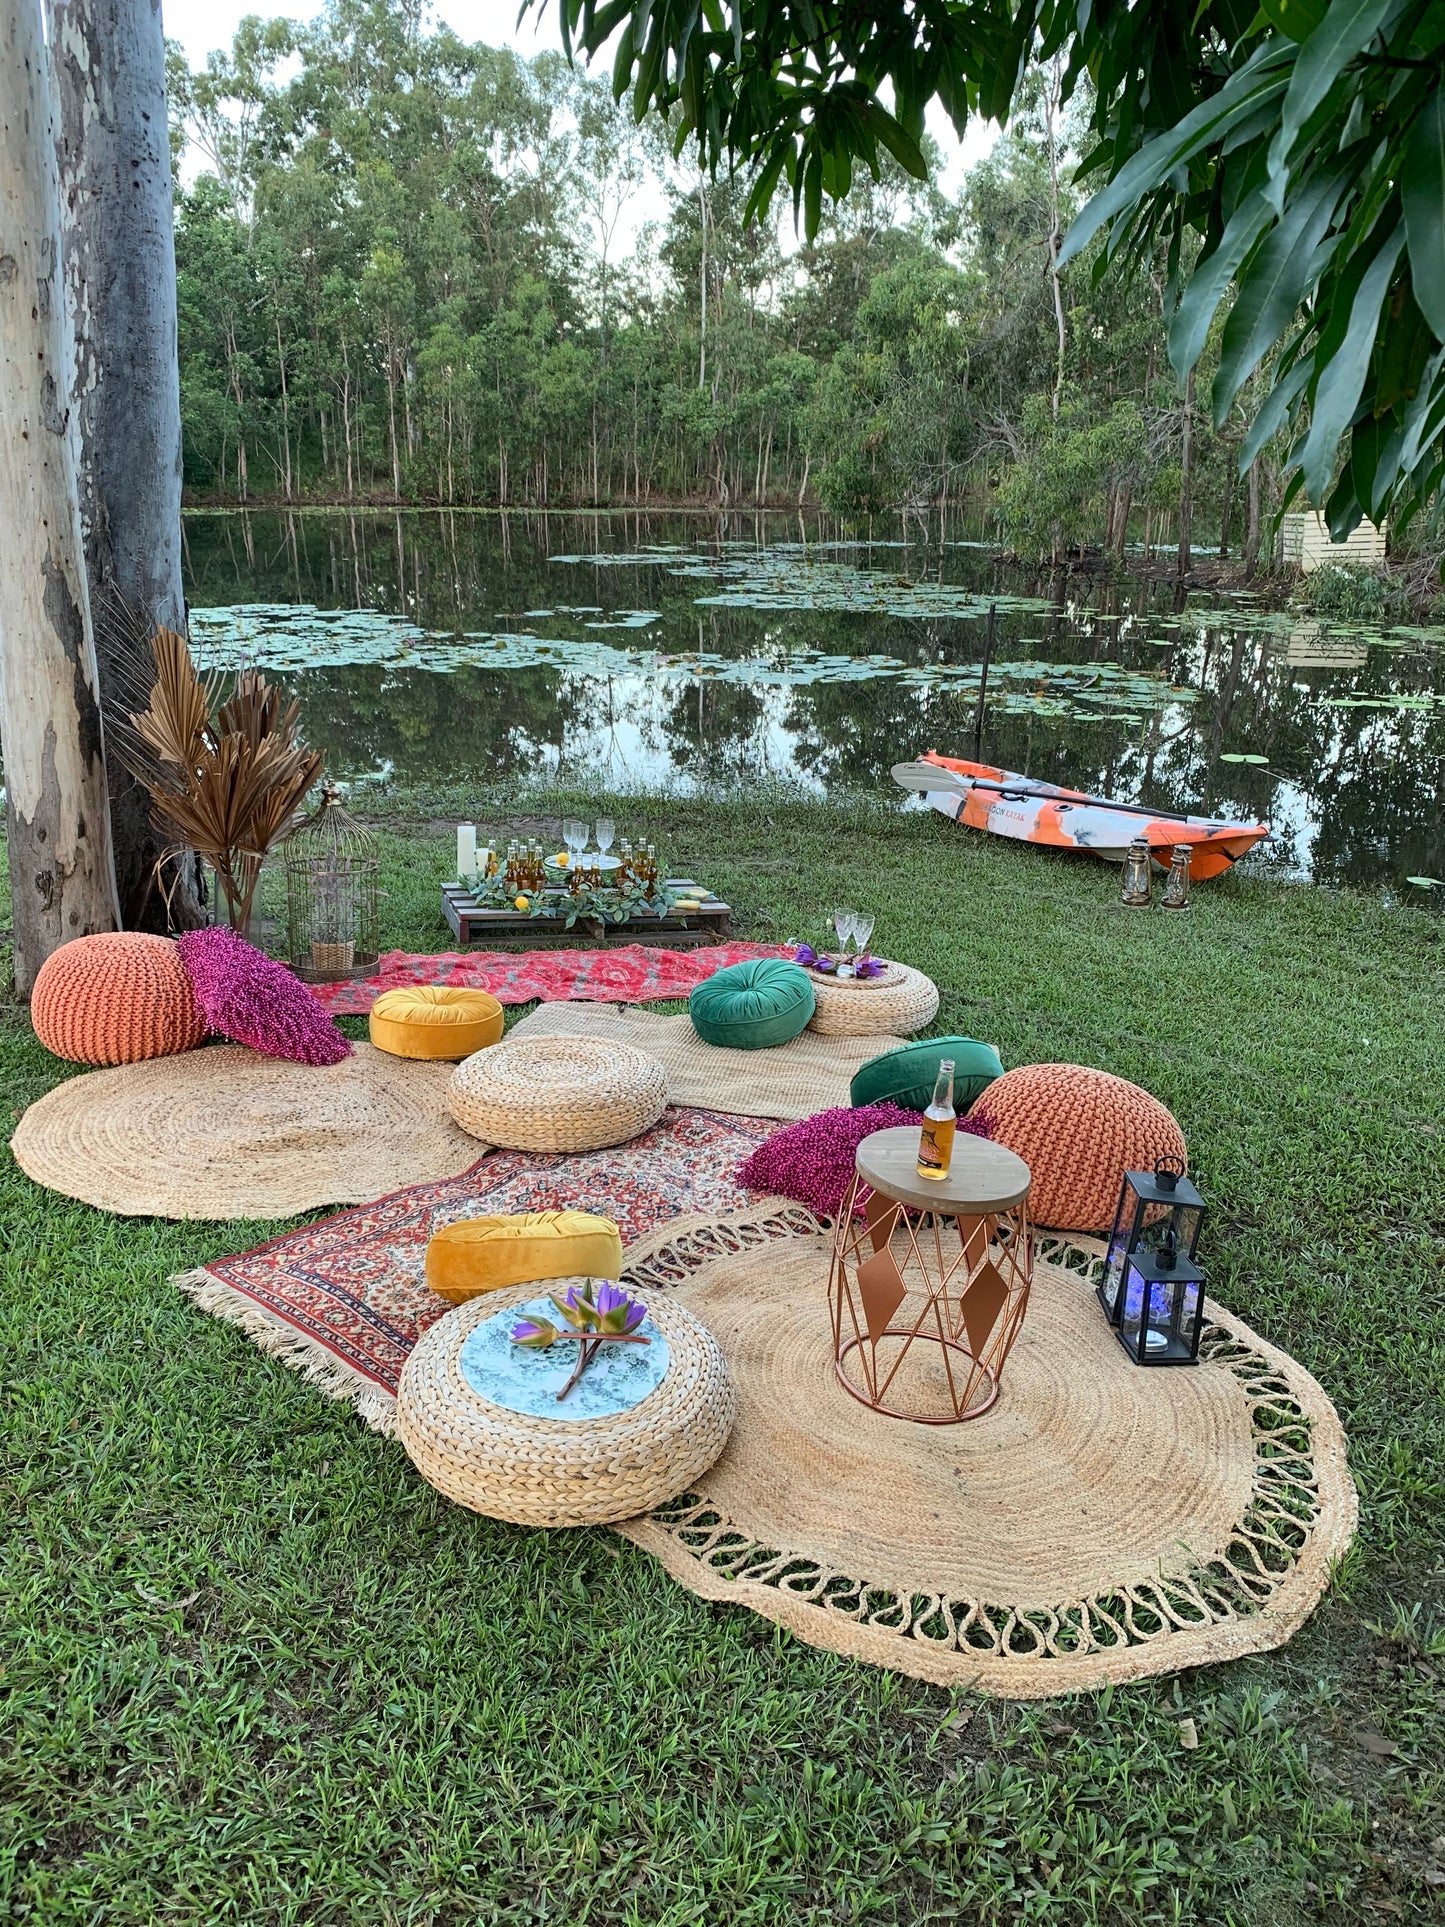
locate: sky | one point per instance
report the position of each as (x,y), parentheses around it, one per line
(202,26)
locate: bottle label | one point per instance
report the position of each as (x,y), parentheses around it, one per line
(935,1146)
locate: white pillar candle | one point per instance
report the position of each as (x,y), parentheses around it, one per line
(466,851)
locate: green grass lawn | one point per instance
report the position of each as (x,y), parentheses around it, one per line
(255,1671)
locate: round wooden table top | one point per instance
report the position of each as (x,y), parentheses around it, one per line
(983,1177)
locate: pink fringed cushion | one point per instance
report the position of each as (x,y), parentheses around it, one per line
(252,1000)
(812,1160)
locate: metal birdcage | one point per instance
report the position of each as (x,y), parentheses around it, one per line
(332,867)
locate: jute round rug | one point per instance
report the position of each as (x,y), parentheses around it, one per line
(1103,1522)
(224,1132)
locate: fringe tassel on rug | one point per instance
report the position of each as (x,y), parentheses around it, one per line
(373,1405)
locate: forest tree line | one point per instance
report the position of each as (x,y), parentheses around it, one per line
(400,278)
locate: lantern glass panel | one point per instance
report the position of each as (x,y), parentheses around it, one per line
(1162,1311)
(1148,1210)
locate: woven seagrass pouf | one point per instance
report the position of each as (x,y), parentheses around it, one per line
(558,1093)
(551,1470)
(1079,1131)
(116,999)
(901,1000)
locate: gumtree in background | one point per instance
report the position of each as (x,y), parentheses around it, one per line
(57,818)
(113,158)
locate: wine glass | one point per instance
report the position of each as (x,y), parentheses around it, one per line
(574,835)
(606,830)
(842,923)
(862,930)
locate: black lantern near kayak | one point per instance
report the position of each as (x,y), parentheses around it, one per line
(1152,1205)
(1162,1306)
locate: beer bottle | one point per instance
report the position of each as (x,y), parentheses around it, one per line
(940,1122)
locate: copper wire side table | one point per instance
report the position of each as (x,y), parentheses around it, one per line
(930,1282)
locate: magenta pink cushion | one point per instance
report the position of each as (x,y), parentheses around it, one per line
(812,1160)
(253,1000)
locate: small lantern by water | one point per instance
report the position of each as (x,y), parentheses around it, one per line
(1176,884)
(1151,1205)
(1162,1306)
(332,869)
(1138,875)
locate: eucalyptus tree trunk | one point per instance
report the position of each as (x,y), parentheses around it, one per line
(113,153)
(57,815)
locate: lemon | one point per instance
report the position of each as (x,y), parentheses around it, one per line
(563,859)
(522,903)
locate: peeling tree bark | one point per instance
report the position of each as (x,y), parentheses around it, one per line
(116,219)
(57,813)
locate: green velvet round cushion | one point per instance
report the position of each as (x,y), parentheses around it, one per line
(907,1076)
(751,1006)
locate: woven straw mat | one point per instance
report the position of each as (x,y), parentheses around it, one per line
(224,1132)
(557,1093)
(1103,1522)
(559,1472)
(790,1081)
(901,999)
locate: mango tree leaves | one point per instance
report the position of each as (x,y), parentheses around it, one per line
(1422,191)
(1332,109)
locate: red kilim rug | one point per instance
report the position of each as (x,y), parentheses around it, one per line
(630,973)
(345,1300)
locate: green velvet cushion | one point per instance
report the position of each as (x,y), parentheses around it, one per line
(906,1076)
(750,1006)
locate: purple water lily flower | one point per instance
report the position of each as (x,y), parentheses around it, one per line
(806,955)
(617,1314)
(535,1332)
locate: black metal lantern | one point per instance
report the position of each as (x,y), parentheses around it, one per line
(1151,1204)
(1162,1311)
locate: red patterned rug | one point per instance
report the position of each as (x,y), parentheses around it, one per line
(632,973)
(345,1300)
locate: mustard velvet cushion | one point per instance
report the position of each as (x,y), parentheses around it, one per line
(483,1254)
(435,1020)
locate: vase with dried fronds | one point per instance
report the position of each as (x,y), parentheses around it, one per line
(225,779)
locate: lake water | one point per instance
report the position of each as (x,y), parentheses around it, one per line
(691,651)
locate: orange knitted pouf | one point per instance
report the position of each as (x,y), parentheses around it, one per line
(1078,1131)
(115,999)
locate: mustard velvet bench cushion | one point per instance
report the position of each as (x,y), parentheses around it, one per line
(435,1021)
(483,1254)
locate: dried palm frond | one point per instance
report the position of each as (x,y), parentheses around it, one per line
(227,785)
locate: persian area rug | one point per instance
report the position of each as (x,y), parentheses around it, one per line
(225,1132)
(344,1301)
(632,973)
(810,1073)
(1102,1523)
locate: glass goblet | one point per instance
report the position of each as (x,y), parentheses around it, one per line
(842,923)
(606,831)
(862,930)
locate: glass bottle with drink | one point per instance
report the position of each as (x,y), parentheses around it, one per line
(940,1124)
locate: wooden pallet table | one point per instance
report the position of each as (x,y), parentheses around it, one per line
(472,922)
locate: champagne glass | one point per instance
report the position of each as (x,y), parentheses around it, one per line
(574,835)
(606,830)
(842,923)
(862,930)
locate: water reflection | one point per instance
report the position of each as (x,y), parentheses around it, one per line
(699,651)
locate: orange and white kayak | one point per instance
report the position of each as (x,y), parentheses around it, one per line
(1007,804)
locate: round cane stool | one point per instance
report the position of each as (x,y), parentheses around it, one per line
(480,1419)
(558,1093)
(899,1000)
(930,1281)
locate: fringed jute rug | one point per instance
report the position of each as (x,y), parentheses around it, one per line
(1103,1523)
